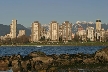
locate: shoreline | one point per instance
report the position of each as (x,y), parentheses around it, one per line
(61,44)
(39,61)
(47,45)
(52,45)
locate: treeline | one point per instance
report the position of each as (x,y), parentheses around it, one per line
(26,40)
(20,40)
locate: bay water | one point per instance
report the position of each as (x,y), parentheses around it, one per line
(25,50)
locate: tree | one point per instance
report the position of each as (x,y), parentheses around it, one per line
(42,38)
(23,39)
(60,38)
(76,38)
(14,40)
(7,40)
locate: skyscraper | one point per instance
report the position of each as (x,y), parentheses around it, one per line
(54,31)
(90,33)
(98,24)
(98,28)
(35,31)
(13,27)
(66,31)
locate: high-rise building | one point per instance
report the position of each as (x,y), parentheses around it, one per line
(54,31)
(80,28)
(66,31)
(82,35)
(21,33)
(106,35)
(97,31)
(43,31)
(102,35)
(35,31)
(13,26)
(90,33)
(60,32)
(98,24)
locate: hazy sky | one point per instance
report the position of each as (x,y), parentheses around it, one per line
(44,11)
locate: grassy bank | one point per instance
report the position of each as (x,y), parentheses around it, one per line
(62,44)
(70,43)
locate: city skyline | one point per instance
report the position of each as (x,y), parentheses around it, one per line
(56,32)
(46,11)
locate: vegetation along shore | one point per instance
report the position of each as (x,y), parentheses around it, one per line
(59,44)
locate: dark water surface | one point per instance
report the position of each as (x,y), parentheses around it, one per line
(25,50)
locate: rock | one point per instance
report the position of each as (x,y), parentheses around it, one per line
(37,53)
(42,71)
(78,60)
(3,65)
(72,61)
(101,55)
(52,69)
(14,62)
(89,61)
(43,59)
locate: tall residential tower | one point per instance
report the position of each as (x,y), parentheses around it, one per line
(66,31)
(98,24)
(13,27)
(35,31)
(54,32)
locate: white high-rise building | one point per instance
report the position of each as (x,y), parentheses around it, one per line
(98,24)
(66,31)
(98,28)
(13,26)
(35,31)
(102,35)
(90,33)
(54,31)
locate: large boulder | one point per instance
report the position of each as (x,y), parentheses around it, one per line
(89,61)
(43,59)
(3,66)
(37,54)
(102,55)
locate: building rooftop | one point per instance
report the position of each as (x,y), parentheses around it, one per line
(53,21)
(36,21)
(98,20)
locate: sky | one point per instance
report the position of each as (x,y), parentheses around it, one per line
(45,11)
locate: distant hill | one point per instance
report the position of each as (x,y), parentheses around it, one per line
(5,29)
(21,27)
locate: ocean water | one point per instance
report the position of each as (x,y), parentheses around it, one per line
(25,50)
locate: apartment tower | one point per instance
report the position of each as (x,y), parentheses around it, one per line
(35,31)
(90,33)
(13,26)
(98,24)
(54,31)
(66,31)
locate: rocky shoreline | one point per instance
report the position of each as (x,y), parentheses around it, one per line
(40,62)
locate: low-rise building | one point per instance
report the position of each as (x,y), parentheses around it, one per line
(21,33)
(82,35)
